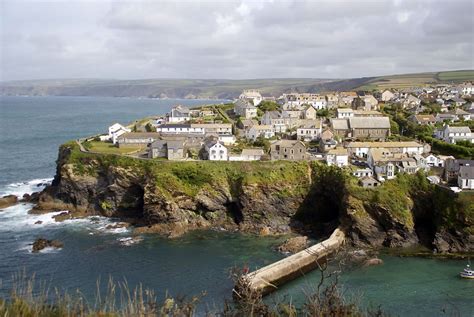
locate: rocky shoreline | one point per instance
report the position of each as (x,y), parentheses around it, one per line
(258,197)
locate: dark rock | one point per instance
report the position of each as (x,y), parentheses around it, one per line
(294,245)
(42,243)
(30,198)
(38,222)
(7,201)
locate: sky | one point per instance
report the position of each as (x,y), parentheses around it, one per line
(233,39)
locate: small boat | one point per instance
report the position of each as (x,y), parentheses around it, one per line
(467,273)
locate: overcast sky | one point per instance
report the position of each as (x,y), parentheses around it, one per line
(233,39)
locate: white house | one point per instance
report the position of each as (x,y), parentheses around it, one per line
(252,95)
(338,157)
(467,89)
(365,172)
(344,113)
(181,128)
(387,95)
(265,131)
(117,130)
(436,161)
(454,134)
(215,151)
(179,114)
(309,131)
(361,149)
(466,177)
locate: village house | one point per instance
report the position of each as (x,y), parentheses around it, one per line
(214,128)
(436,160)
(255,131)
(411,101)
(361,149)
(454,134)
(288,150)
(137,138)
(196,128)
(171,149)
(368,182)
(180,128)
(276,120)
(373,128)
(362,172)
(115,131)
(347,98)
(309,131)
(179,113)
(461,114)
(337,157)
(387,95)
(344,113)
(365,102)
(452,167)
(423,119)
(326,141)
(466,89)
(455,101)
(446,117)
(386,164)
(332,100)
(299,101)
(245,109)
(251,95)
(383,163)
(214,150)
(466,177)
(340,127)
(247,123)
(309,112)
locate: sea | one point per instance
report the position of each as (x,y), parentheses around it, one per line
(199,263)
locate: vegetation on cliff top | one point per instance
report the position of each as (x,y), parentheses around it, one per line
(326,189)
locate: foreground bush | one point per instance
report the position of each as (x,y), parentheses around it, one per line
(30,300)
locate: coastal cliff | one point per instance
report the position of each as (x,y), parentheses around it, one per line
(259,197)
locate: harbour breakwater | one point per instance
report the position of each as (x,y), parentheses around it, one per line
(268,278)
(269,197)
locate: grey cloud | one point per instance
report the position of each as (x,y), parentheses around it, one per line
(235,38)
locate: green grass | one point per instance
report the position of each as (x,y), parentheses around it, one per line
(461,75)
(416,80)
(109,148)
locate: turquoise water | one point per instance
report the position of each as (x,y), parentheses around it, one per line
(31,130)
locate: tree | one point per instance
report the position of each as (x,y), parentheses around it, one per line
(268,105)
(322,113)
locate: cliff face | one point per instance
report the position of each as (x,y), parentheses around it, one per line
(260,197)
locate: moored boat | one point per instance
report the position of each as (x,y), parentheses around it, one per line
(467,272)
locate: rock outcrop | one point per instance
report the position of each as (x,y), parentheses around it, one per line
(171,198)
(42,243)
(8,201)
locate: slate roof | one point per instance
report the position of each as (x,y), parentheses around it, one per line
(466,172)
(369,123)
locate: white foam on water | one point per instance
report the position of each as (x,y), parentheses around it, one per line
(17,219)
(129,241)
(27,187)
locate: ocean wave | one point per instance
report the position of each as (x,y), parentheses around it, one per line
(17,219)
(27,187)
